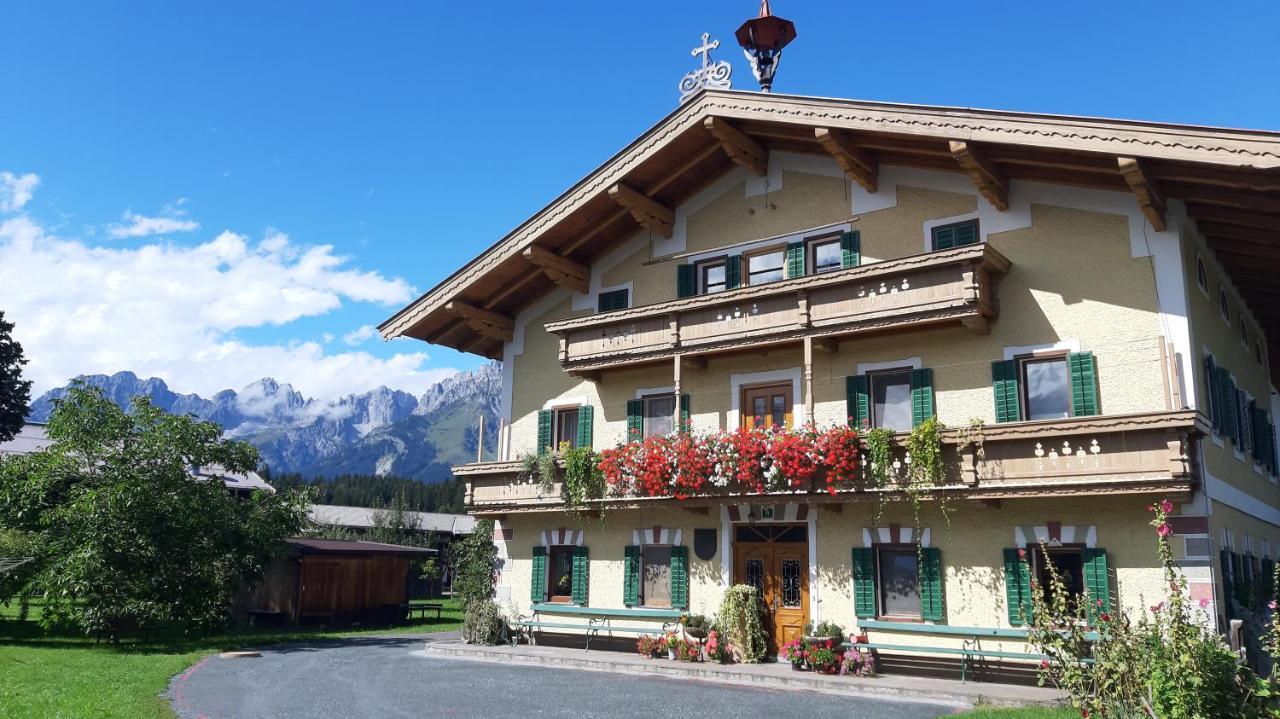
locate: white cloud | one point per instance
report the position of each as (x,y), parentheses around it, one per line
(16,190)
(360,335)
(178,312)
(172,218)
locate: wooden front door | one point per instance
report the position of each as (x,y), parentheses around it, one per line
(767,407)
(774,559)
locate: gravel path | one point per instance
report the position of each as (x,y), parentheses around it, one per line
(390,677)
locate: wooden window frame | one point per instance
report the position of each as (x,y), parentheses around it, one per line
(1024,386)
(871,390)
(789,412)
(780,250)
(917,618)
(811,245)
(644,412)
(644,600)
(556,438)
(701,274)
(1076,547)
(552,552)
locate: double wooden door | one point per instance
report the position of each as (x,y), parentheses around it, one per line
(775,560)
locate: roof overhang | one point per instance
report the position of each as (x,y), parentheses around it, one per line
(1229,181)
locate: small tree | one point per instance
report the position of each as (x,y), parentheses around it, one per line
(474,562)
(15,392)
(129,538)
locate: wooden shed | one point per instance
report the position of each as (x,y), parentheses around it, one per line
(334,582)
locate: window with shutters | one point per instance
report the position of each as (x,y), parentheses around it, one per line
(766,266)
(659,415)
(891,399)
(1068,561)
(560,574)
(655,575)
(898,581)
(955,234)
(566,427)
(712,277)
(1046,387)
(825,254)
(613,300)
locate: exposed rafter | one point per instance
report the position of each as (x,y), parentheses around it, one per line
(1253,220)
(740,148)
(1149,198)
(646,210)
(857,163)
(562,270)
(989,180)
(486,322)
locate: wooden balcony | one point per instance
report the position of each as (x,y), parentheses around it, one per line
(948,287)
(1148,453)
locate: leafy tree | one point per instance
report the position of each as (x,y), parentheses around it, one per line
(14,391)
(357,490)
(129,538)
(474,561)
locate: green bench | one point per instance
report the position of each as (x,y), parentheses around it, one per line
(599,621)
(970,649)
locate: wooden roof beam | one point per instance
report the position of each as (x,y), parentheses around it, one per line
(647,211)
(1149,199)
(563,271)
(857,163)
(988,179)
(740,148)
(485,322)
(1247,220)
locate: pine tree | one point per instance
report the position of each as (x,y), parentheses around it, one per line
(15,392)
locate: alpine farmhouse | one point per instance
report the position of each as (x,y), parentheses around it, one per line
(1086,305)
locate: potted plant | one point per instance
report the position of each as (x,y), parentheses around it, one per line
(825,634)
(797,652)
(857,663)
(715,648)
(696,626)
(670,642)
(824,660)
(649,646)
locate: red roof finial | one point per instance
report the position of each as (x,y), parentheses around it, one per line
(764,8)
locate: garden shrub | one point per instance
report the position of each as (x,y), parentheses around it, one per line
(741,615)
(483,623)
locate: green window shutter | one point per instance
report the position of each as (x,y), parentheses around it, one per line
(1228,591)
(1226,402)
(544,431)
(581,576)
(966,233)
(631,576)
(944,237)
(1257,431)
(732,272)
(1097,581)
(851,249)
(538,575)
(857,400)
(685,425)
(1004,384)
(680,577)
(795,259)
(921,395)
(586,425)
(614,300)
(864,582)
(1084,384)
(635,420)
(931,606)
(1017,587)
(686,280)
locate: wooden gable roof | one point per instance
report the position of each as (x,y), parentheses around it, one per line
(1228,179)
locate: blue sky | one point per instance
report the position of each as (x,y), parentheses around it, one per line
(409,136)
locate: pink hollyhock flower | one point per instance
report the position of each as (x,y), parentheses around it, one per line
(1044,663)
(1022,554)
(1166,506)
(1158,607)
(1204,603)
(1106,617)
(1271,604)
(1164,529)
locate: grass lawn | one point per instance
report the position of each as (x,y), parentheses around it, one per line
(60,674)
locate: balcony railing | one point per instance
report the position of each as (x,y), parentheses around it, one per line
(1147,453)
(951,286)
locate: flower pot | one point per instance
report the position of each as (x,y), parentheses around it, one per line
(797,667)
(671,654)
(822,642)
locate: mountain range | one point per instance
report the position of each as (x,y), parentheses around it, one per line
(383,431)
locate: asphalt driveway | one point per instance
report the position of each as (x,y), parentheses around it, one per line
(390,677)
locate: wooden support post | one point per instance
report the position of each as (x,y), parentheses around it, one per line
(486,322)
(676,418)
(857,163)
(647,211)
(740,148)
(989,180)
(1149,199)
(808,379)
(563,271)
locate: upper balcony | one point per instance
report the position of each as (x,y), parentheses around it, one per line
(954,286)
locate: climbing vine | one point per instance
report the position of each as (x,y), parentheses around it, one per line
(740,617)
(879,465)
(583,479)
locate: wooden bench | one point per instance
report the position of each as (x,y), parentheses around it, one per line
(422,609)
(599,620)
(971,646)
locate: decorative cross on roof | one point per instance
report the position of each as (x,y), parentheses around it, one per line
(711,74)
(705,49)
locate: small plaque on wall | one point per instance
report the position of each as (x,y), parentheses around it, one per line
(704,543)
